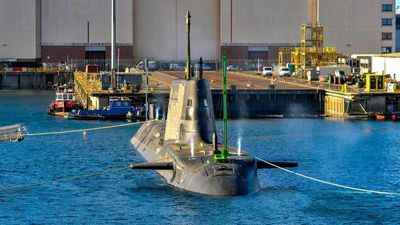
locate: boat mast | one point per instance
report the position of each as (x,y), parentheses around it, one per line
(146,70)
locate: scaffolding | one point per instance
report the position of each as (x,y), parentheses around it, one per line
(311,53)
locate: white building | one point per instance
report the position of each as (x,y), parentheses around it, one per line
(80,29)
(20,36)
(353,26)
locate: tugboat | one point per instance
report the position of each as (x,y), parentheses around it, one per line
(64,102)
(185,151)
(117,108)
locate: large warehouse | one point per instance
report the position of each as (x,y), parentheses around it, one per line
(61,30)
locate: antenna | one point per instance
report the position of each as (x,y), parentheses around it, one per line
(224,155)
(188,66)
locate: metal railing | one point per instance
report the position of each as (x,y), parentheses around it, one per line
(158,65)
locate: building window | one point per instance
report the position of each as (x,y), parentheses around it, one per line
(386,49)
(387,22)
(386,36)
(387,7)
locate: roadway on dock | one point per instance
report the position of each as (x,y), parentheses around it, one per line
(242,80)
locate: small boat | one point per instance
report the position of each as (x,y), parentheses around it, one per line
(380,117)
(64,102)
(117,109)
(82,115)
(395,117)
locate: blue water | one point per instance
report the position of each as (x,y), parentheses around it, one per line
(357,153)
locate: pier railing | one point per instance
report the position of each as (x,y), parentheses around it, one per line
(324,85)
(174,65)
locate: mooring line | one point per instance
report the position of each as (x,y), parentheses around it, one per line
(81,130)
(59,180)
(331,183)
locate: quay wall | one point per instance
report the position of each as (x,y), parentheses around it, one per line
(270,103)
(263,103)
(27,80)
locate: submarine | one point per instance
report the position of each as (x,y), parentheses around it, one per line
(184,149)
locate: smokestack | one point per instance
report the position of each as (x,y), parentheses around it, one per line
(314,9)
(113,43)
(317,11)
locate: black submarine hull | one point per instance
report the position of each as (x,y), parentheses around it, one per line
(199,172)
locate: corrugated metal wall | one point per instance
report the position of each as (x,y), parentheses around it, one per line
(64,22)
(262,21)
(20,29)
(160,30)
(156,28)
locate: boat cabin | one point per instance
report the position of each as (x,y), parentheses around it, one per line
(64,96)
(119,103)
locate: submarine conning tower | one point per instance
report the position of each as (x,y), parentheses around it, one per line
(190,111)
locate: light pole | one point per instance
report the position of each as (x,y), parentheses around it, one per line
(113,43)
(118,60)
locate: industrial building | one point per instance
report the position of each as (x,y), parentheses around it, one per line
(62,30)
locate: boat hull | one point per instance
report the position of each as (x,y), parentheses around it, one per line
(57,108)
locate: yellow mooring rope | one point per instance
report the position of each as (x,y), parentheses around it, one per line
(82,130)
(331,183)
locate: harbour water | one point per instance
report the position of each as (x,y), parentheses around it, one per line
(82,180)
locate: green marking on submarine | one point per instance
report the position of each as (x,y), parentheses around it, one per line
(184,149)
(224,155)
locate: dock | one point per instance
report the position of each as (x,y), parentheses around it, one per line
(252,95)
(291,96)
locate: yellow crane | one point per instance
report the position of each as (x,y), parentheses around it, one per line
(311,53)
